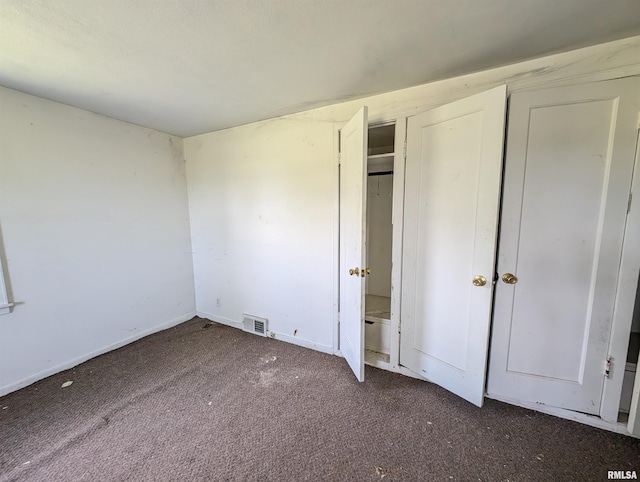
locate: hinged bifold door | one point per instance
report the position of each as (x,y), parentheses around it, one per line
(353,195)
(452,193)
(569,163)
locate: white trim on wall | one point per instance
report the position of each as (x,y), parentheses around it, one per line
(336,239)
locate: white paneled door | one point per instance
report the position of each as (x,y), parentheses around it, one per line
(568,170)
(353,195)
(452,193)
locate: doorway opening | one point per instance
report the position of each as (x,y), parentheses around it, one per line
(379,242)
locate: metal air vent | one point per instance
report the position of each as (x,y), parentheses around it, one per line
(255,324)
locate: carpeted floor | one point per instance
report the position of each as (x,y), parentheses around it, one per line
(203,401)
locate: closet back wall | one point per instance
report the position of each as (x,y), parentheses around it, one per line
(95,228)
(379,234)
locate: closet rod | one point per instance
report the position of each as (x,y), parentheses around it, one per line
(381,173)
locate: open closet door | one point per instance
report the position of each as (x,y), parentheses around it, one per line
(452,194)
(353,195)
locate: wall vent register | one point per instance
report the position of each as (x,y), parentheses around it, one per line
(255,324)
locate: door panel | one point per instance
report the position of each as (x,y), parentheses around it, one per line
(353,194)
(567,179)
(449,227)
(453,170)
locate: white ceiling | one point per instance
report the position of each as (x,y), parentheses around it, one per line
(192,66)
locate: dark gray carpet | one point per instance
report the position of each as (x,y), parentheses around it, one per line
(203,401)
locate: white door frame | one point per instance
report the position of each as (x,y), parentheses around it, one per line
(623,311)
(397,218)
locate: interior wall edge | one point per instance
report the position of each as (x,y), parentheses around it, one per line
(189,233)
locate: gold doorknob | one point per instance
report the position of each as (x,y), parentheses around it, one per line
(509,279)
(479,280)
(355,271)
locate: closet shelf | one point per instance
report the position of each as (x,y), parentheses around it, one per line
(380,156)
(379,162)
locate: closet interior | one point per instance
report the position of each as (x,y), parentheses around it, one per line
(380,162)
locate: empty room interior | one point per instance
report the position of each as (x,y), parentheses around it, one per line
(319,240)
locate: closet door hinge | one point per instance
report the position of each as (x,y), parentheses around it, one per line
(629,204)
(404,151)
(338,158)
(607,368)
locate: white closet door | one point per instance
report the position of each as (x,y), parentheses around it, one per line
(568,170)
(453,171)
(353,195)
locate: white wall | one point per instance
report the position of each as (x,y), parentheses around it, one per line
(95,235)
(264,205)
(262,220)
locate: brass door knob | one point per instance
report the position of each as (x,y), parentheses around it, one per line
(509,279)
(355,271)
(479,280)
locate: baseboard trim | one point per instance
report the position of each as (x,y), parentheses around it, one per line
(83,358)
(294,340)
(220,319)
